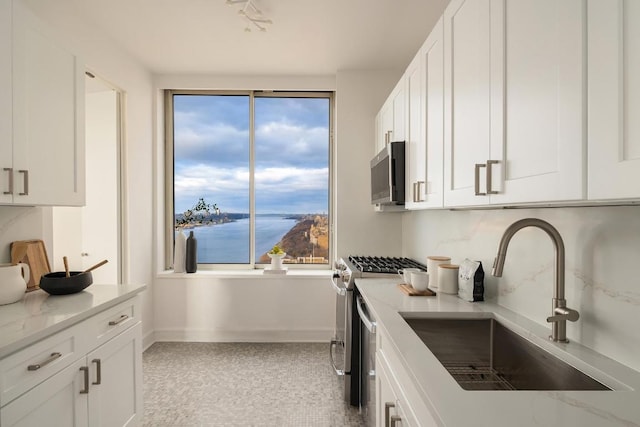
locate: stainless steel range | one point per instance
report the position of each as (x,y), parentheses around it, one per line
(344,351)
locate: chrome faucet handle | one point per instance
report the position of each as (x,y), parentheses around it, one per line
(564,313)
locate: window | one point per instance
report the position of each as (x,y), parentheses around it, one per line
(250,170)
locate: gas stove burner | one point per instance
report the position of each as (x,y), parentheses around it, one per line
(388,265)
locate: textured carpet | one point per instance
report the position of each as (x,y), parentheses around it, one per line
(243,384)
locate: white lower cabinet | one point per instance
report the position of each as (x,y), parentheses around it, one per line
(56,402)
(116,389)
(101,387)
(391,406)
(398,402)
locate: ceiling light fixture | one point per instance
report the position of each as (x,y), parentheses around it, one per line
(252,14)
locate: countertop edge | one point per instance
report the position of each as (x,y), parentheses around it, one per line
(72,319)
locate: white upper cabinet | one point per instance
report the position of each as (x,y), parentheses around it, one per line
(424,91)
(6,146)
(614,99)
(390,121)
(47,111)
(538,137)
(467,98)
(514,101)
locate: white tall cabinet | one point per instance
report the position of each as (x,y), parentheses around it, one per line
(42,143)
(514,101)
(424,91)
(614,99)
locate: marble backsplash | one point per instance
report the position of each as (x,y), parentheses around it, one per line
(21,223)
(602,266)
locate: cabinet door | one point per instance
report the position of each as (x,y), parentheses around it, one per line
(48,115)
(116,381)
(538,87)
(58,401)
(399,110)
(614,99)
(386,399)
(467,98)
(415,147)
(6,136)
(430,193)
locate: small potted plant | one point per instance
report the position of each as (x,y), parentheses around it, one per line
(276,254)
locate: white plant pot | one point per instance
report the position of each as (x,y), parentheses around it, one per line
(276,261)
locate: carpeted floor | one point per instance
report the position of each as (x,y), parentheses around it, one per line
(243,384)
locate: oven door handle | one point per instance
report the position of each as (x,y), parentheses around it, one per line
(342,291)
(339,372)
(368,323)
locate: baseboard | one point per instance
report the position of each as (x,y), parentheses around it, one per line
(183,335)
(148,340)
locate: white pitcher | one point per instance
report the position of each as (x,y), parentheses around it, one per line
(13,282)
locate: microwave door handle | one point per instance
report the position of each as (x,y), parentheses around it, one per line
(368,323)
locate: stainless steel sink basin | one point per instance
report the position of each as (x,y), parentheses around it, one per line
(482,354)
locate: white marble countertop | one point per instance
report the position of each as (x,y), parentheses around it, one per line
(454,406)
(39,314)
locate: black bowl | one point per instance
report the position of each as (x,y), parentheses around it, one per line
(58,284)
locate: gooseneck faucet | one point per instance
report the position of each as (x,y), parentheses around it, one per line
(560,312)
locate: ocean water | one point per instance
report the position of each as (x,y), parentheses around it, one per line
(229,243)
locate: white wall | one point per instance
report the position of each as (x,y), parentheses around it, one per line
(254,308)
(602,254)
(361,231)
(113,64)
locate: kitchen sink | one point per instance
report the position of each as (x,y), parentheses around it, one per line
(482,354)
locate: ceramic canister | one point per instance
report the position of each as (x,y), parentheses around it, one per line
(432,268)
(448,278)
(13,282)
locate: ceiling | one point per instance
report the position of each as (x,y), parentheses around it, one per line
(308,37)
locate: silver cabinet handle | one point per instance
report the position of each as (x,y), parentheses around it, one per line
(120,320)
(387,413)
(50,359)
(339,372)
(98,363)
(477,178)
(419,198)
(489,184)
(25,182)
(10,170)
(395,419)
(85,370)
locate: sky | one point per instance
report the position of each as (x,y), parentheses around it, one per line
(211,153)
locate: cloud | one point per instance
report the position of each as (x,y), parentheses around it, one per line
(286,190)
(211,146)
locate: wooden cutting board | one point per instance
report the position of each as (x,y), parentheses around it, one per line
(408,290)
(33,253)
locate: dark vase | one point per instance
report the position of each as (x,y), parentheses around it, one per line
(191,261)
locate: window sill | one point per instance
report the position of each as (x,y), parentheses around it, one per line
(243,274)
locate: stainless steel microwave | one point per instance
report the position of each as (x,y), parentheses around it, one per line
(387,175)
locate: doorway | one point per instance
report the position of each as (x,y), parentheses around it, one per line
(87,235)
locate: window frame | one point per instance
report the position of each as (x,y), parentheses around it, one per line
(169,230)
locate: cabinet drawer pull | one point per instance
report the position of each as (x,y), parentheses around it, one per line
(25,181)
(477,179)
(98,363)
(395,419)
(387,412)
(489,183)
(50,359)
(85,371)
(120,320)
(10,170)
(419,198)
